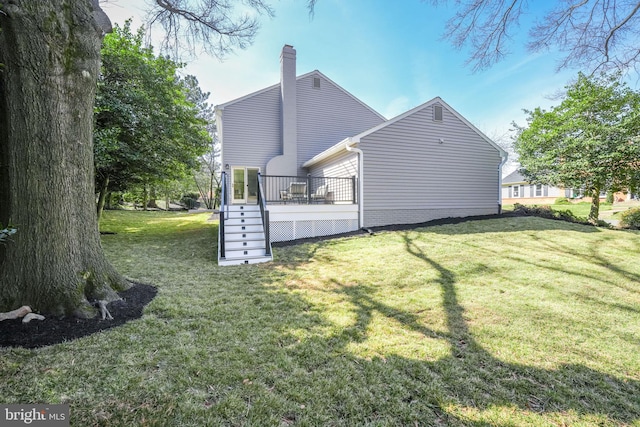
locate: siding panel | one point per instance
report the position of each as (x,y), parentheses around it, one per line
(341,165)
(409,176)
(252,130)
(326,116)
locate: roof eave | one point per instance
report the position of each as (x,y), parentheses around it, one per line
(335,149)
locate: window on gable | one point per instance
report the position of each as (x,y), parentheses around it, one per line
(316,82)
(437,113)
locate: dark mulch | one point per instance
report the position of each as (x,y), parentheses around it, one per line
(37,333)
(397,227)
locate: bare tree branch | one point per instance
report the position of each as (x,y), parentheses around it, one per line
(485,25)
(214,26)
(592,34)
(617,28)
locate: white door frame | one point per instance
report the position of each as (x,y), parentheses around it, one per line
(245,196)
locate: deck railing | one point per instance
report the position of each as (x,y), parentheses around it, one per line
(309,190)
(265,215)
(224,203)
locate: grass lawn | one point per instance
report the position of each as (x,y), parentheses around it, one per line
(506,322)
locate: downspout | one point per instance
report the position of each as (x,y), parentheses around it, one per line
(349,146)
(504,158)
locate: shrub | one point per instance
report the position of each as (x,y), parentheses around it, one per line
(630,219)
(190,200)
(562,201)
(609,197)
(548,213)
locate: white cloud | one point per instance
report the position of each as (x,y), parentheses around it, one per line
(397,106)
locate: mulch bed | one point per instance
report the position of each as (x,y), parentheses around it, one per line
(397,227)
(40,333)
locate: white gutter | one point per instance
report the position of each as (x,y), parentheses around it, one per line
(349,146)
(326,153)
(504,160)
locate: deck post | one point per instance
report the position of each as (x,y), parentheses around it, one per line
(353,189)
(267,238)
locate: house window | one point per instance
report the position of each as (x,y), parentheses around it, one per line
(538,190)
(316,82)
(437,113)
(516,191)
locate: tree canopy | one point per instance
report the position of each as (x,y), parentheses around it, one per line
(147,129)
(590,141)
(207,176)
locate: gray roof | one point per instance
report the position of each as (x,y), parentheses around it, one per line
(513,177)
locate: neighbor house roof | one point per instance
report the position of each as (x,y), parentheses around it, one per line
(356,139)
(312,73)
(513,177)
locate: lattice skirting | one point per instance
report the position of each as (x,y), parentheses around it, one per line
(281,231)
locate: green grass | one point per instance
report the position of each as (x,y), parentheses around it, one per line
(507,322)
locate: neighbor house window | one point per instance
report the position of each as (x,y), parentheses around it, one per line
(516,191)
(316,82)
(437,113)
(538,190)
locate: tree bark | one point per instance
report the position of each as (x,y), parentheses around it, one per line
(151,202)
(145,197)
(104,190)
(594,212)
(51,56)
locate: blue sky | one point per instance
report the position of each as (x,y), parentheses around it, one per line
(388,54)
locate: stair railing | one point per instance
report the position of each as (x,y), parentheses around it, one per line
(265,215)
(223,206)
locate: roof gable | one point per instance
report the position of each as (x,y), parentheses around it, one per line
(303,76)
(436,100)
(356,139)
(514,177)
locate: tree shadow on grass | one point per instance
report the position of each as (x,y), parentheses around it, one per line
(321,372)
(480,380)
(540,224)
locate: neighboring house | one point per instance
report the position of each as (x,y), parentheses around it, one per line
(516,189)
(330,164)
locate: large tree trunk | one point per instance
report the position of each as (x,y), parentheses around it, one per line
(151,202)
(594,212)
(51,55)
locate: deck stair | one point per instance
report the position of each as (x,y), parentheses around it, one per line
(244,239)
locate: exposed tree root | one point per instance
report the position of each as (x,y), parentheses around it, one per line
(31,316)
(14,314)
(104,311)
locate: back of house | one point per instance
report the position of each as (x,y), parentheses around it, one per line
(331,164)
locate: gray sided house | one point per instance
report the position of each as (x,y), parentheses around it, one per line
(305,158)
(516,189)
